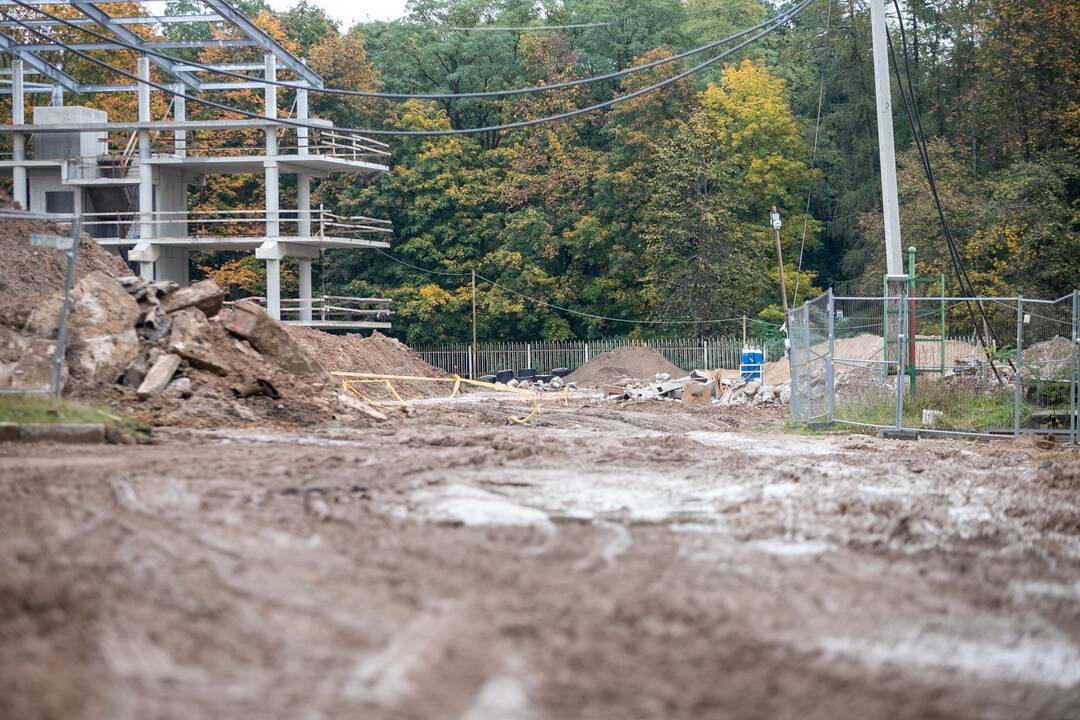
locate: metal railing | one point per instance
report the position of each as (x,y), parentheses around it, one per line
(332,309)
(236,223)
(877,362)
(488,358)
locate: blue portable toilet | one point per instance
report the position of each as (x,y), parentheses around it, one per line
(752,361)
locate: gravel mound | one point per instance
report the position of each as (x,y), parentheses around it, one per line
(638,363)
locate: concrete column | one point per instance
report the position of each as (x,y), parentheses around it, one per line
(273,197)
(303,204)
(58,96)
(18,117)
(302,114)
(180,115)
(146,176)
(303,180)
(273,288)
(305,289)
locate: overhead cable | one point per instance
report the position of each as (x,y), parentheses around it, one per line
(402,96)
(776,22)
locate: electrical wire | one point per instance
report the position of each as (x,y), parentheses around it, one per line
(813,164)
(915,120)
(777,22)
(521,28)
(401,96)
(570,311)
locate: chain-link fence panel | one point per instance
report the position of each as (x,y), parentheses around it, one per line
(864,360)
(808,332)
(1046,364)
(972,366)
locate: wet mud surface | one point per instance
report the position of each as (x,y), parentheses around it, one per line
(639,561)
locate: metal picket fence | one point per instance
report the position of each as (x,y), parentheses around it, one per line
(489,358)
(938,365)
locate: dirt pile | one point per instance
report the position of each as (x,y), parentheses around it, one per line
(29,274)
(626,363)
(377,354)
(1050,357)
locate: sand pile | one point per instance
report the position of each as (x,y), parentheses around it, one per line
(376,354)
(30,274)
(867,348)
(636,363)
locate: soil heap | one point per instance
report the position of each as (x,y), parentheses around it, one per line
(30,274)
(376,354)
(615,366)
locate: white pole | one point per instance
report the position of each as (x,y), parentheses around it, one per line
(304,280)
(894,256)
(303,180)
(146,175)
(273,224)
(18,117)
(180,115)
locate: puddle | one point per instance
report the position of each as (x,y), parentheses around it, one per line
(791,548)
(460,504)
(1039,661)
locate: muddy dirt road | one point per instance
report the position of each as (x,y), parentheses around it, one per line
(603,562)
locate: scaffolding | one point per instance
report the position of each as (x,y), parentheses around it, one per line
(129,180)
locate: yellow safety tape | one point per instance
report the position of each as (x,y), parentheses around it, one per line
(349,380)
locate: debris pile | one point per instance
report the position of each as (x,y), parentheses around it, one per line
(702,387)
(176,355)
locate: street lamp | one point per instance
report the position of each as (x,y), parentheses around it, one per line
(774,216)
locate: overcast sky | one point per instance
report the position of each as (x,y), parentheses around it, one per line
(349,11)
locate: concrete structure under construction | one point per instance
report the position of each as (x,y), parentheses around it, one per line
(129,181)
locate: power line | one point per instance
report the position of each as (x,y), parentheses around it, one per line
(400,96)
(775,23)
(915,120)
(813,165)
(560,308)
(522,28)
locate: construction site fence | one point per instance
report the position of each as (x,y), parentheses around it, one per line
(488,358)
(935,365)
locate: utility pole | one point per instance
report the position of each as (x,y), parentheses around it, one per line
(472,365)
(776,224)
(894,256)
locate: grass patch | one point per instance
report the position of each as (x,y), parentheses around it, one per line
(42,410)
(965,407)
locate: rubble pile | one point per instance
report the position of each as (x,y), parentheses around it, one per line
(175,355)
(701,387)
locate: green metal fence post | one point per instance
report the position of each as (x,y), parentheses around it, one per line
(1018,392)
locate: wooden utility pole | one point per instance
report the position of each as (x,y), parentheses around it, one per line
(744,330)
(472,365)
(779,258)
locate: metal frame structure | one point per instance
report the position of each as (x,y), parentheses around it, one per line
(128,180)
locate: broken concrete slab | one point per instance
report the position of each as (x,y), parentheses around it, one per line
(159,377)
(190,339)
(252,323)
(205,295)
